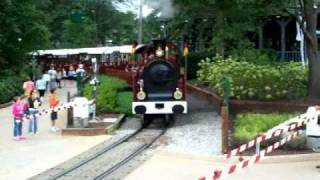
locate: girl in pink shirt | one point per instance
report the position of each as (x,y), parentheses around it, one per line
(18,109)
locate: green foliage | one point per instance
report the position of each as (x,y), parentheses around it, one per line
(248,126)
(107,93)
(193,59)
(76,35)
(10,87)
(23,29)
(255,56)
(124,101)
(251,81)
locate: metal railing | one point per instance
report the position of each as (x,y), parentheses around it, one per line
(289,56)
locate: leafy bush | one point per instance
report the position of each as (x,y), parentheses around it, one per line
(251,81)
(248,126)
(255,56)
(124,101)
(107,93)
(10,87)
(193,59)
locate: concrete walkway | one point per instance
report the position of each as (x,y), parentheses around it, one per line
(176,166)
(24,159)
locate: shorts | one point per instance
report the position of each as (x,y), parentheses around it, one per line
(54,116)
(41,92)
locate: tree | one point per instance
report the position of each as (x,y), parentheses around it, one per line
(308,10)
(23,30)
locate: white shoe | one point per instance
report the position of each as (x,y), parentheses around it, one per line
(53,129)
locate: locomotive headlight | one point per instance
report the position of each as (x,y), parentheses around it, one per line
(159,52)
(141,95)
(177,94)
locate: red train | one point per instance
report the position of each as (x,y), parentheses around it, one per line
(159,81)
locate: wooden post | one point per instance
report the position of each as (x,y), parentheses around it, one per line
(224,128)
(69,112)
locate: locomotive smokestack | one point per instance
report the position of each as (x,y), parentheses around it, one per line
(163,29)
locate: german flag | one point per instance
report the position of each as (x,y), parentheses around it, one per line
(133,50)
(134,46)
(185,48)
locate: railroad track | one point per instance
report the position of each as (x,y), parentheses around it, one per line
(113,157)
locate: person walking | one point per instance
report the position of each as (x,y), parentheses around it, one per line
(53,102)
(41,86)
(28,86)
(18,111)
(33,105)
(46,77)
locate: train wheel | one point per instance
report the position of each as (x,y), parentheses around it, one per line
(169,119)
(146,120)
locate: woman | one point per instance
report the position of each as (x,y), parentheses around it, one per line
(33,103)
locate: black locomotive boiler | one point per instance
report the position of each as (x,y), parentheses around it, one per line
(159,81)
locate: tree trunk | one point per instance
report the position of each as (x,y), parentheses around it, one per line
(220,27)
(312,48)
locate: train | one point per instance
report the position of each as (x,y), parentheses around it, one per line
(159,81)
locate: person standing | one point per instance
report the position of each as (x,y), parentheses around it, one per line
(53,78)
(28,86)
(33,105)
(53,102)
(59,77)
(17,111)
(41,86)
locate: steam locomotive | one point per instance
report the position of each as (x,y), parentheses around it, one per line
(159,81)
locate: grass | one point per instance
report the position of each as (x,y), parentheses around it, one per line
(248,126)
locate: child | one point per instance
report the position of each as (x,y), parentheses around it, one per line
(33,104)
(53,102)
(18,109)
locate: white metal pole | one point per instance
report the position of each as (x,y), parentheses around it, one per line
(140,22)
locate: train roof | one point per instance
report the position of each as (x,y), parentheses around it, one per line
(126,49)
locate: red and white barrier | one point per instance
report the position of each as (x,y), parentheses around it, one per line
(59,108)
(289,125)
(217,174)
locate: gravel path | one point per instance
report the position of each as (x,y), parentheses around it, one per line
(198,132)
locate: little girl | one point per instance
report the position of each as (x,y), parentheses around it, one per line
(18,109)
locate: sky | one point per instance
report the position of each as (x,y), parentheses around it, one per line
(133,6)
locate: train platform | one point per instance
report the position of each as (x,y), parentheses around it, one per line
(24,159)
(170,165)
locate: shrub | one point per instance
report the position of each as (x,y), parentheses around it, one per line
(107,93)
(255,56)
(124,101)
(193,59)
(10,87)
(251,81)
(248,126)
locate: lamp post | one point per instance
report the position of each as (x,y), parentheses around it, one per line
(94,82)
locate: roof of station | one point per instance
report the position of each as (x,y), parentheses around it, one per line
(97,50)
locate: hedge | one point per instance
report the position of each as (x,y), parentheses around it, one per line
(253,81)
(108,94)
